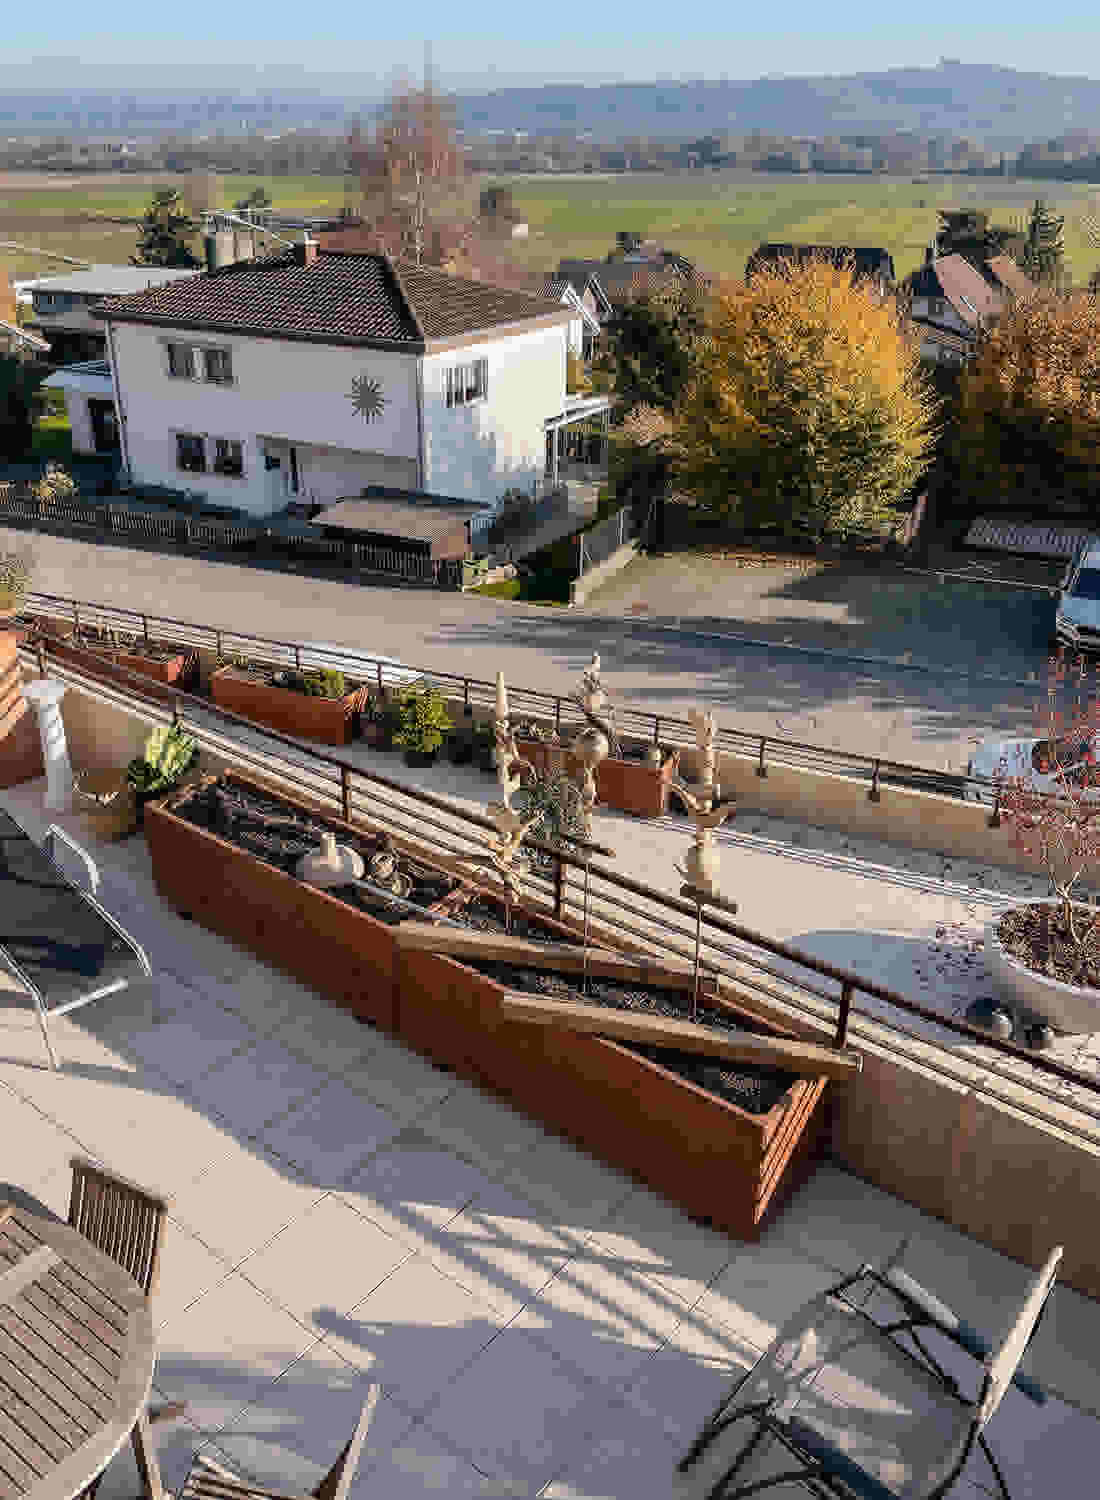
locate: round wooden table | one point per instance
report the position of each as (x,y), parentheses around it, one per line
(77,1352)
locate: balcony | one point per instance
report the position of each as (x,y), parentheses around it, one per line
(343,1211)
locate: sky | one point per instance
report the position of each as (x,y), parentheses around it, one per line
(626,40)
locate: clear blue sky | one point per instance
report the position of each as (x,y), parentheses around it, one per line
(636,40)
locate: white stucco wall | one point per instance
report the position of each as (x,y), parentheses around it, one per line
(479,450)
(284,391)
(76,404)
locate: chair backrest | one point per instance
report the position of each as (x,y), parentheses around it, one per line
(208,1480)
(121,1219)
(1001,1363)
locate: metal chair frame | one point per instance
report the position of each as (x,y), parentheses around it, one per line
(814,1472)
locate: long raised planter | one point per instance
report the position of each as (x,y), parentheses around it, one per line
(167,665)
(343,953)
(330,721)
(629,786)
(719,1162)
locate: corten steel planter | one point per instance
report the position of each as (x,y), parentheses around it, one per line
(330,721)
(629,786)
(162,665)
(343,953)
(719,1162)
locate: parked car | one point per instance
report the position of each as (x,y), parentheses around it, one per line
(1077,623)
(1046,766)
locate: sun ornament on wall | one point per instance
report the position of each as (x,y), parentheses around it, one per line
(367,398)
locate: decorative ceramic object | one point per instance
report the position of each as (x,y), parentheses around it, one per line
(654,757)
(589,748)
(336,864)
(44,694)
(367,398)
(701,865)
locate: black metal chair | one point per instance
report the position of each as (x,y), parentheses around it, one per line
(856,1411)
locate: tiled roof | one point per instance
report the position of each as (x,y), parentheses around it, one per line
(954,278)
(341,298)
(1009,275)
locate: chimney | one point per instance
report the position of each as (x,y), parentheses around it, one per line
(305,253)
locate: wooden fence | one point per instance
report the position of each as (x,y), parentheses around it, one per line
(17,503)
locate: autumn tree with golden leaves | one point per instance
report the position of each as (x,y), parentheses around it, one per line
(807,408)
(1029,418)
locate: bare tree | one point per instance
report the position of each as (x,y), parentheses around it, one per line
(408,164)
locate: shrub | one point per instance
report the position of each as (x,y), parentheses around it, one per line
(323,683)
(423,721)
(15,575)
(56,484)
(554,801)
(169,753)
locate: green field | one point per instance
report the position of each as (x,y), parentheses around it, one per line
(715,217)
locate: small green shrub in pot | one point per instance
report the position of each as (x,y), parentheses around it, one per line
(322,683)
(423,725)
(169,754)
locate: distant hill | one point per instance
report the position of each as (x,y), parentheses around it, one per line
(997,106)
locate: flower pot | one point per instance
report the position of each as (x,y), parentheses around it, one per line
(106,799)
(1069,1008)
(421,757)
(460,750)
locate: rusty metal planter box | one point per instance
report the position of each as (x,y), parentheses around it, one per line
(343,953)
(330,721)
(629,786)
(720,1163)
(174,669)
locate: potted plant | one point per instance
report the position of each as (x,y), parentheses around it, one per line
(1044,955)
(424,721)
(170,752)
(319,704)
(460,742)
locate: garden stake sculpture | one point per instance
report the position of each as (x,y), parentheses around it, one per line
(700,868)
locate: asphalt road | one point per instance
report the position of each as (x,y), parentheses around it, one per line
(930,718)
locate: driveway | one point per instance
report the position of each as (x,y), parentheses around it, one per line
(932,718)
(983,626)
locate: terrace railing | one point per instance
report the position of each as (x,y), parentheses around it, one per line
(552,709)
(571,882)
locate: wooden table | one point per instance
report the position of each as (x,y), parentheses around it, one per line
(77,1352)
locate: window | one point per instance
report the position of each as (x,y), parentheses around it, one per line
(467,382)
(190,452)
(196,362)
(228,458)
(219,366)
(181,361)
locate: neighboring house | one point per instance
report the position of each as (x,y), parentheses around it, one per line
(948,295)
(310,375)
(586,283)
(90,402)
(629,275)
(62,305)
(584,330)
(869,262)
(1005,274)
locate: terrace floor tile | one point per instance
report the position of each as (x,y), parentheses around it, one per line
(481,1128)
(242,1200)
(264,1082)
(332,1134)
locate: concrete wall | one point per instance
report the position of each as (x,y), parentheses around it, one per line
(589,582)
(295,392)
(478,451)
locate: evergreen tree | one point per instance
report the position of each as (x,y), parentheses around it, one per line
(1043,250)
(968,232)
(165,232)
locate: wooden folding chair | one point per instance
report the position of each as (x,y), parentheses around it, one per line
(208,1480)
(126,1223)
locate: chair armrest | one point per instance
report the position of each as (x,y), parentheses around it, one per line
(939,1314)
(836,1463)
(53,833)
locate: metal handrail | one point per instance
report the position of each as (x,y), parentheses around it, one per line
(612,888)
(631,723)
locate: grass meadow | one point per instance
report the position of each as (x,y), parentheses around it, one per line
(715,217)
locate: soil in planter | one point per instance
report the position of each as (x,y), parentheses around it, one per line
(279,833)
(487,916)
(1035,937)
(752,1088)
(141,647)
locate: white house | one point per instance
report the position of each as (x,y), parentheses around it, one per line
(950,303)
(312,374)
(584,329)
